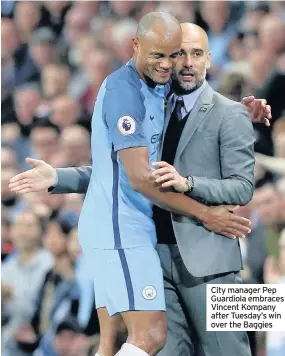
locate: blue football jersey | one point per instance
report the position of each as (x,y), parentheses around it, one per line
(128,113)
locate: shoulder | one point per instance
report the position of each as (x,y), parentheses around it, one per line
(123,82)
(228,108)
(224,102)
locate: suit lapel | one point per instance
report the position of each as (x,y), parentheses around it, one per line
(201,108)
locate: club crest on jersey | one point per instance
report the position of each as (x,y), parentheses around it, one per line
(149,292)
(126,125)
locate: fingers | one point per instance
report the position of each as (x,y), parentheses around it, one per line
(230,236)
(20,176)
(162,171)
(241,220)
(232,207)
(16,185)
(170,183)
(161,164)
(242,228)
(34,162)
(23,190)
(235,232)
(268,112)
(165,177)
(23,187)
(247,100)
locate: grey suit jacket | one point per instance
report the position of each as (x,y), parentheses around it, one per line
(216,148)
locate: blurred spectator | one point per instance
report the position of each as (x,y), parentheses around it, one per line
(9,200)
(65,111)
(221,32)
(54,13)
(272,35)
(122,34)
(275,273)
(253,17)
(17,65)
(261,65)
(54,298)
(98,66)
(30,263)
(86,314)
(9,42)
(278,135)
(123,9)
(65,338)
(43,47)
(55,80)
(183,11)
(27,17)
(77,24)
(267,203)
(80,80)
(27,100)
(6,243)
(44,140)
(75,145)
(8,159)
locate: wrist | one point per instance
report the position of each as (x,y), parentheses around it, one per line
(203,214)
(189,184)
(54,179)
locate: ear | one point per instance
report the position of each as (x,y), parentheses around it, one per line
(208,60)
(135,45)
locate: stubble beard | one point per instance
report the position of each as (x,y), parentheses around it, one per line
(185,88)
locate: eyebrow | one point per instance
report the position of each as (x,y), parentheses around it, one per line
(163,54)
(193,49)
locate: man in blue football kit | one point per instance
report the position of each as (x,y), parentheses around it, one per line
(116,229)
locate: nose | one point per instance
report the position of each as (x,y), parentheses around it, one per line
(166,64)
(188,62)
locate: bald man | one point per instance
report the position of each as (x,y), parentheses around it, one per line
(132,122)
(208,154)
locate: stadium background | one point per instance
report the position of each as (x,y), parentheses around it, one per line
(54,56)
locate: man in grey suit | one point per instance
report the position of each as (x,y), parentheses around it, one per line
(215,153)
(209,141)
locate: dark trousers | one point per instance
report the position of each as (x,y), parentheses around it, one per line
(186,311)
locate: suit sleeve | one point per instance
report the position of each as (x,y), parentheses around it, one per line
(124,113)
(237,162)
(72,180)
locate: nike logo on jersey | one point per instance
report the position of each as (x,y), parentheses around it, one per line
(151,117)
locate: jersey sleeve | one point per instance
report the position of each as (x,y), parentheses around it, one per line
(124,113)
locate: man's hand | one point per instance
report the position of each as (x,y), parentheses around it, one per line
(258,110)
(166,176)
(221,220)
(41,177)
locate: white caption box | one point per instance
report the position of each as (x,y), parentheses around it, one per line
(245,307)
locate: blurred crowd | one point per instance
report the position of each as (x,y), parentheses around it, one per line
(54,57)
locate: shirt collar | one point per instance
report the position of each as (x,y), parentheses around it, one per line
(190,99)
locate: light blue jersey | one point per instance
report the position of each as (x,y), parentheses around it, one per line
(128,113)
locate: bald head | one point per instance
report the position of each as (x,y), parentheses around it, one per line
(192,32)
(157,46)
(157,24)
(190,70)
